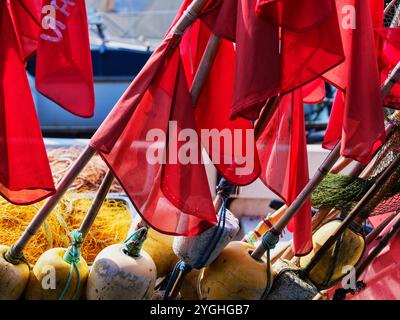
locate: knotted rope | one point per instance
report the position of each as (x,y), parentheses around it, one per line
(73,256)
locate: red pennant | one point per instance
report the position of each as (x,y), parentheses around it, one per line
(64,65)
(388,58)
(173,198)
(25,175)
(363,119)
(232,147)
(310,45)
(282,149)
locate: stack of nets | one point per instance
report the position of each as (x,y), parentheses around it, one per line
(111,226)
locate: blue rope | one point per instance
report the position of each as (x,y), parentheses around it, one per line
(224,190)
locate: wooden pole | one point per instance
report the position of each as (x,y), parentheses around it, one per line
(14,254)
(97,203)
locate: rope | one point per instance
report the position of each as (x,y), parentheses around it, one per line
(269,241)
(73,256)
(224,190)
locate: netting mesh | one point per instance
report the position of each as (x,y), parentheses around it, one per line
(343,192)
(392,14)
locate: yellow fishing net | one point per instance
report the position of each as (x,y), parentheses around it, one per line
(111,226)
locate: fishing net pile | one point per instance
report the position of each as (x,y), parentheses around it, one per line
(61,158)
(111,226)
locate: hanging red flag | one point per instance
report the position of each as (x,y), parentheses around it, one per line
(314,92)
(388,57)
(173,197)
(291,43)
(25,175)
(282,149)
(64,65)
(362,128)
(229,143)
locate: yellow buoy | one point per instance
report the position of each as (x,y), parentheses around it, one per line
(190,285)
(234,275)
(50,274)
(349,253)
(159,247)
(13,278)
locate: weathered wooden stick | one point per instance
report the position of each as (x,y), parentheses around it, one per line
(14,254)
(97,203)
(301,199)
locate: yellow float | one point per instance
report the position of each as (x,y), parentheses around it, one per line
(234,275)
(13,278)
(327,271)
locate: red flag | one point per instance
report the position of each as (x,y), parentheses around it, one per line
(173,198)
(314,92)
(388,58)
(310,46)
(25,175)
(282,149)
(362,128)
(64,65)
(229,143)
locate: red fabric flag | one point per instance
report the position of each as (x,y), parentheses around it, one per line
(173,198)
(64,65)
(282,149)
(310,45)
(362,128)
(388,58)
(229,143)
(25,175)
(314,92)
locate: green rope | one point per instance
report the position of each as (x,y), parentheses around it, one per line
(134,243)
(73,256)
(336,190)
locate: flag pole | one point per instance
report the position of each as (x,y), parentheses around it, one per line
(15,253)
(334,155)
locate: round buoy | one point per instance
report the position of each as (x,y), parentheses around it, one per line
(334,264)
(159,247)
(49,279)
(234,275)
(191,249)
(123,272)
(13,278)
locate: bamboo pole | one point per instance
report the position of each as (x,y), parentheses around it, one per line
(14,254)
